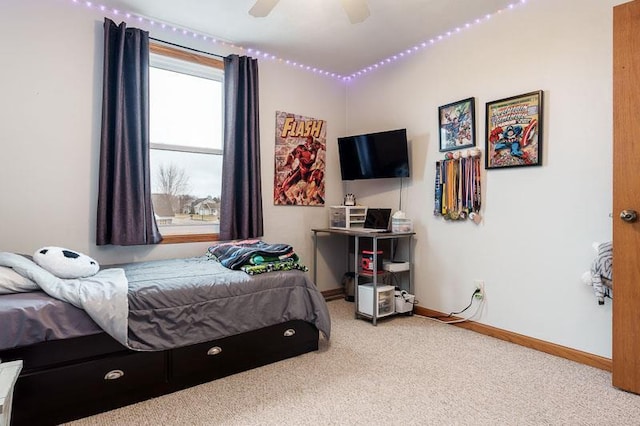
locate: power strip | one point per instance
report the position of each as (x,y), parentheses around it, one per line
(395,266)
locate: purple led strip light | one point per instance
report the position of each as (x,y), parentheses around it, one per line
(266,55)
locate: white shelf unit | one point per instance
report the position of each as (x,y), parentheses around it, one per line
(9,372)
(347,217)
(376,274)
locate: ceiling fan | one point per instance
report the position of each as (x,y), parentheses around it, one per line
(357,10)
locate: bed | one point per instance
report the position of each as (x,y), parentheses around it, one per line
(189,321)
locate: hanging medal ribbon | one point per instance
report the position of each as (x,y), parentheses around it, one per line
(437,209)
(457,187)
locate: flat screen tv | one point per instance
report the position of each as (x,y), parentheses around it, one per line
(374,155)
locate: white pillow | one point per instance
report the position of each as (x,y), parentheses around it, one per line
(13,282)
(65,263)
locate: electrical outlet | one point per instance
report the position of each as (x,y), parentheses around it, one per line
(479,286)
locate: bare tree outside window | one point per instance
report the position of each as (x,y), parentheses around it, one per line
(172,181)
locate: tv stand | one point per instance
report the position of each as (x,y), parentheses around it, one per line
(375,273)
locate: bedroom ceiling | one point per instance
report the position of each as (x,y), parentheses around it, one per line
(318,33)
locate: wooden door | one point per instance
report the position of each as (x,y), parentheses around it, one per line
(626,196)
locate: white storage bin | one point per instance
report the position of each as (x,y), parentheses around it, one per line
(404,302)
(401,225)
(386,303)
(347,217)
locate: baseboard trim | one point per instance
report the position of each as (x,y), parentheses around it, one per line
(529,342)
(333,294)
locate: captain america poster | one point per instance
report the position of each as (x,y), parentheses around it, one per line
(514,131)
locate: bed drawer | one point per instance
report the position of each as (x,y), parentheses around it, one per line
(220,358)
(55,353)
(92,386)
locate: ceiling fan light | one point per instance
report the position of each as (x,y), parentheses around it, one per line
(262,8)
(357,10)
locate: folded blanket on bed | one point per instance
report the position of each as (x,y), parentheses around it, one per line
(236,254)
(278,265)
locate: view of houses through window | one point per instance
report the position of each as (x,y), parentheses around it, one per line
(186,145)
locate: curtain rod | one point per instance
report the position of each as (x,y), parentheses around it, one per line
(187,48)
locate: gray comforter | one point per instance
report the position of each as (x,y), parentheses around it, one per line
(171,303)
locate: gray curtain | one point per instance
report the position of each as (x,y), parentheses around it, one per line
(241,199)
(125,212)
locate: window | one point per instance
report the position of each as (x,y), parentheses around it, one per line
(186,116)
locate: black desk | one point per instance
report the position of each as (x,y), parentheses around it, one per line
(375,237)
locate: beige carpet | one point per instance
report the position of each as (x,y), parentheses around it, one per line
(405,371)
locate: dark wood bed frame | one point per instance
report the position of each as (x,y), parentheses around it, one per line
(63,380)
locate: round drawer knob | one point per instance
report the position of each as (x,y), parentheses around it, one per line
(289,332)
(214,350)
(114,374)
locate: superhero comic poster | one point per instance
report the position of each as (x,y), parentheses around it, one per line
(300,156)
(457,125)
(514,131)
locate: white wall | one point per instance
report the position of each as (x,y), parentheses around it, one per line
(314,97)
(50,106)
(538,222)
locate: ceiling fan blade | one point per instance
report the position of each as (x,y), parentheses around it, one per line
(357,10)
(262,8)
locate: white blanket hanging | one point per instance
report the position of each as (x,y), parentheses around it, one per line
(602,270)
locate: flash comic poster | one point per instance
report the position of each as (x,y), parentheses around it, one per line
(300,156)
(514,131)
